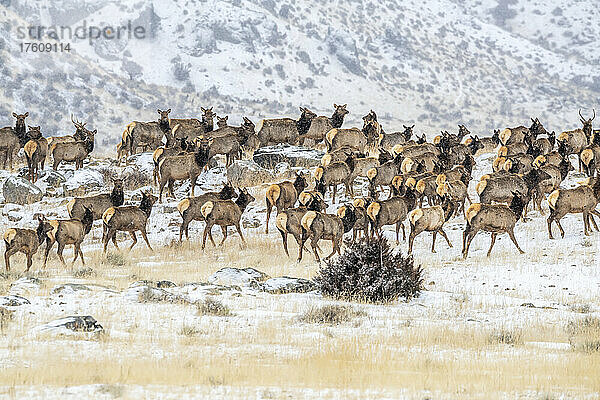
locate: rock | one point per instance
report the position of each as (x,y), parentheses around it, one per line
(69,288)
(286,284)
(135,177)
(10,208)
(53,178)
(85,323)
(147,294)
(24,285)
(5,316)
(154,284)
(20,191)
(230,276)
(165,284)
(13,301)
(83,181)
(197,291)
(295,156)
(246,173)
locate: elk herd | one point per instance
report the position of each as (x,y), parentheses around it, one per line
(405,179)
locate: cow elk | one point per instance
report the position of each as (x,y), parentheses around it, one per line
(429,219)
(284,130)
(318,226)
(321,125)
(98,203)
(26,241)
(180,167)
(73,151)
(283,196)
(35,152)
(65,232)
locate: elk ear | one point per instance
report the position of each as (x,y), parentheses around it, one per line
(168,111)
(203,109)
(335,105)
(27,114)
(14,115)
(226,118)
(158,111)
(344,106)
(94,131)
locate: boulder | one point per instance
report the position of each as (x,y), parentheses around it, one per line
(286,284)
(13,301)
(19,190)
(198,291)
(155,284)
(148,294)
(135,177)
(84,323)
(295,156)
(230,276)
(24,285)
(69,288)
(83,182)
(247,173)
(14,212)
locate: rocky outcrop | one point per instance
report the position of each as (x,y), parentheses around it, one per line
(247,173)
(286,284)
(19,190)
(295,156)
(230,276)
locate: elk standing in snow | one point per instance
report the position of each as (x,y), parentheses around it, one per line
(283,196)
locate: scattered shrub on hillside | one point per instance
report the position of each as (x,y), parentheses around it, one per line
(211,306)
(330,314)
(506,336)
(188,330)
(369,270)
(583,326)
(115,259)
(181,71)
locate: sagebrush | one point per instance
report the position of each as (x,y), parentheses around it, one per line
(369,270)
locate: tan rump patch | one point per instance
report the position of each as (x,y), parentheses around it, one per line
(415,215)
(157,153)
(108,214)
(281,221)
(360,203)
(553,198)
(70,205)
(341,212)
(410,183)
(587,156)
(326,160)
(539,161)
(498,163)
(472,211)
(9,235)
(318,173)
(440,179)
(308,219)
(507,165)
(480,187)
(503,151)
(442,189)
(563,137)
(505,135)
(372,173)
(273,193)
(330,135)
(437,139)
(52,233)
(397,149)
(373,210)
(29,148)
(304,198)
(397,181)
(468,141)
(421,186)
(406,165)
(207,208)
(183,205)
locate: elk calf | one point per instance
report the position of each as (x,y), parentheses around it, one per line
(129,219)
(225,213)
(283,196)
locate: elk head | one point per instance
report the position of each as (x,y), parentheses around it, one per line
(164,119)
(462,132)
(587,124)
(536,128)
(340,109)
(20,123)
(222,122)
(408,131)
(34,132)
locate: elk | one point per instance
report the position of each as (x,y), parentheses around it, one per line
(577,140)
(496,218)
(517,135)
(382,175)
(35,152)
(190,209)
(426,188)
(222,122)
(283,195)
(455,192)
(284,130)
(541,146)
(490,143)
(391,212)
(289,221)
(227,145)
(389,140)
(332,175)
(590,156)
(429,219)
(582,199)
(321,125)
(173,147)
(11,139)
(428,161)
(65,232)
(128,219)
(98,203)
(225,213)
(501,189)
(340,154)
(180,167)
(360,165)
(513,149)
(352,137)
(80,134)
(557,175)
(318,226)
(26,241)
(147,135)
(73,151)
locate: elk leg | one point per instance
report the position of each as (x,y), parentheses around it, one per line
(134,237)
(113,237)
(411,238)
(29,261)
(75,253)
(183,228)
(59,251)
(441,230)
(303,240)
(562,231)
(49,244)
(269,208)
(239,230)
(284,240)
(81,254)
(205,234)
(597,214)
(170,184)
(334,193)
(469,237)
(336,248)
(397,232)
(492,243)
(313,244)
(586,223)
(224,230)
(433,241)
(145,236)
(161,187)
(511,234)
(7,254)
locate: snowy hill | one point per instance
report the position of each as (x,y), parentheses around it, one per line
(487,64)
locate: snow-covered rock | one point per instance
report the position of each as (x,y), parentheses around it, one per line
(13,301)
(71,325)
(295,156)
(237,277)
(138,172)
(20,191)
(69,288)
(83,181)
(247,173)
(24,286)
(286,284)
(148,294)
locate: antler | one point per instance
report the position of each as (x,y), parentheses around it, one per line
(594,110)
(580,114)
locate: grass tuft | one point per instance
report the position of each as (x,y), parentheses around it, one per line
(214,307)
(330,314)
